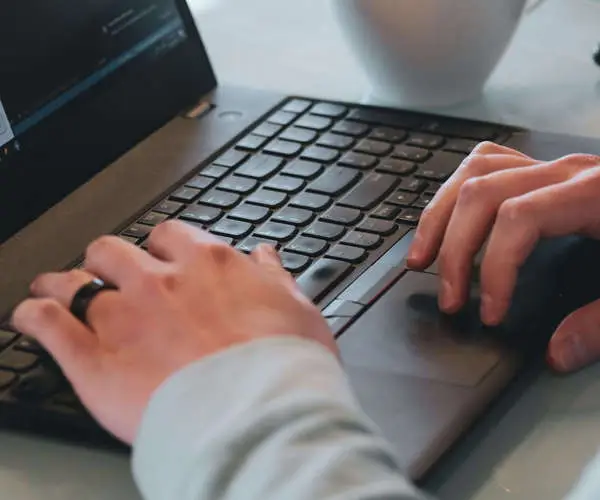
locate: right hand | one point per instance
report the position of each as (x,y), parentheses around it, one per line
(510,201)
(190,297)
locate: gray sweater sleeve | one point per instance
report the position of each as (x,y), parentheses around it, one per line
(271,419)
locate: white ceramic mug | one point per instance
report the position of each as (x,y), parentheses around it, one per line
(428,53)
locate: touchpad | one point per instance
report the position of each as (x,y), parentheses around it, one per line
(404,332)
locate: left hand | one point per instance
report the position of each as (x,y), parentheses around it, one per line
(510,200)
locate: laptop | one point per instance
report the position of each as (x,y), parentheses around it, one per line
(112,121)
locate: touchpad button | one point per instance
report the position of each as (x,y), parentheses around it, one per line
(404,332)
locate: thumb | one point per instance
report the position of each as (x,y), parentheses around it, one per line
(576,342)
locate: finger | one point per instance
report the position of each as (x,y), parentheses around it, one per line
(268,258)
(566,208)
(116,261)
(432,228)
(576,342)
(491,148)
(71,343)
(62,287)
(472,219)
(174,240)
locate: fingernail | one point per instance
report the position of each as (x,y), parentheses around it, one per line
(489,309)
(447,299)
(570,353)
(415,252)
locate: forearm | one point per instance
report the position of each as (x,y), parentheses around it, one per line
(271,419)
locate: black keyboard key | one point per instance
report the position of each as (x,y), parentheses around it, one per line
(353,255)
(336,141)
(252,143)
(168,207)
(276,231)
(215,171)
(268,130)
(185,194)
(228,240)
(286,149)
(128,239)
(386,118)
(303,169)
(250,244)
(433,188)
(220,199)
(18,361)
(311,201)
(294,263)
(294,216)
(304,245)
(201,214)
(411,153)
(370,191)
(232,228)
(286,184)
(335,181)
(29,345)
(377,226)
(236,184)
(396,167)
(329,110)
(7,379)
(440,167)
(412,185)
(425,141)
(153,219)
(38,385)
(342,215)
(358,160)
(260,167)
(137,231)
(320,154)
(268,198)
(410,216)
(325,231)
(351,129)
(376,148)
(402,199)
(388,134)
(312,122)
(68,399)
(386,211)
(301,135)
(423,201)
(322,277)
(250,213)
(231,159)
(465,146)
(200,182)
(369,241)
(6,338)
(282,118)
(457,128)
(297,106)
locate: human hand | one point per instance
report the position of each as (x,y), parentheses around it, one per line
(509,200)
(189,297)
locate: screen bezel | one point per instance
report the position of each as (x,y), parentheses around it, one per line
(83,138)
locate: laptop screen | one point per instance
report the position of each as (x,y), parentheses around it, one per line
(81,81)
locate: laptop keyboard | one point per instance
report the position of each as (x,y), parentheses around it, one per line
(333,187)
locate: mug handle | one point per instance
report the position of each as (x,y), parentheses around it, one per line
(533,5)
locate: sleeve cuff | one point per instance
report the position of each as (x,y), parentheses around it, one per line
(210,398)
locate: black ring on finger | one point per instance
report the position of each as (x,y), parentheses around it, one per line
(84,296)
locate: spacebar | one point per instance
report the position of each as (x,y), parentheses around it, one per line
(381,275)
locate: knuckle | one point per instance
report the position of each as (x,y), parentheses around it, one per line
(513,211)
(485,147)
(582,159)
(36,312)
(219,253)
(475,190)
(100,245)
(473,165)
